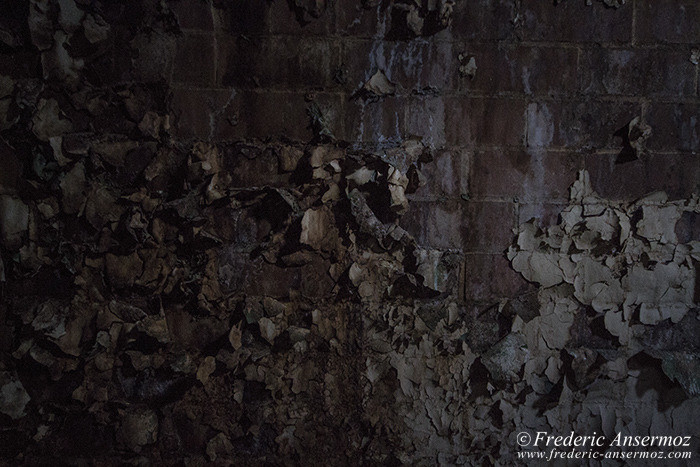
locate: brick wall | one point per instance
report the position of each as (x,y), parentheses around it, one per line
(553,85)
(207,256)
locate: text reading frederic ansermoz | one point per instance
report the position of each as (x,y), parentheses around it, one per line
(542,445)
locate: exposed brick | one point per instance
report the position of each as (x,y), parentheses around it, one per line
(484,121)
(267,114)
(546,213)
(529,70)
(576,21)
(678,175)
(447,175)
(435,224)
(194,60)
(487,226)
(267,62)
(372,122)
(581,125)
(672,21)
(489,277)
(244,17)
(193,14)
(426,118)
(154,62)
(484,20)
(283,20)
(352,19)
(414,65)
(529,175)
(674,126)
(191,110)
(252,166)
(637,72)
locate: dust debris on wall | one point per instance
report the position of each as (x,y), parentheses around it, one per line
(388,232)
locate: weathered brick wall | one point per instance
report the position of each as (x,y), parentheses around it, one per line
(553,85)
(347,232)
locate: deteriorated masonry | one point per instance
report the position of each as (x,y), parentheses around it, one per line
(345,232)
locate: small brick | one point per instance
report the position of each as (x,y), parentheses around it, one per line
(426,118)
(371,122)
(251,166)
(674,127)
(483,20)
(580,125)
(637,72)
(547,214)
(670,21)
(484,121)
(244,17)
(676,174)
(434,224)
(415,65)
(489,277)
(265,114)
(447,175)
(528,70)
(193,14)
(194,60)
(191,110)
(283,20)
(353,20)
(576,21)
(528,175)
(487,227)
(275,62)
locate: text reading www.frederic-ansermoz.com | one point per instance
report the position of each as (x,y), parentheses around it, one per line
(541,445)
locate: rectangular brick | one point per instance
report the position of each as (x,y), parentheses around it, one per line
(264,114)
(576,21)
(487,226)
(447,175)
(372,122)
(195,60)
(676,174)
(275,62)
(546,214)
(484,20)
(435,224)
(580,125)
(521,69)
(484,121)
(193,14)
(283,19)
(670,21)
(528,175)
(412,66)
(242,17)
(191,110)
(675,127)
(637,72)
(426,118)
(354,20)
(489,277)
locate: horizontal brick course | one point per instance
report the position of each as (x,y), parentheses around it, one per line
(651,72)
(576,21)
(525,175)
(668,21)
(484,121)
(274,62)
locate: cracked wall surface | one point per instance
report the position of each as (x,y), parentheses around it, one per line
(366,232)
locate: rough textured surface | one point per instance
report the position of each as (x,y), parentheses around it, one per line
(346,232)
